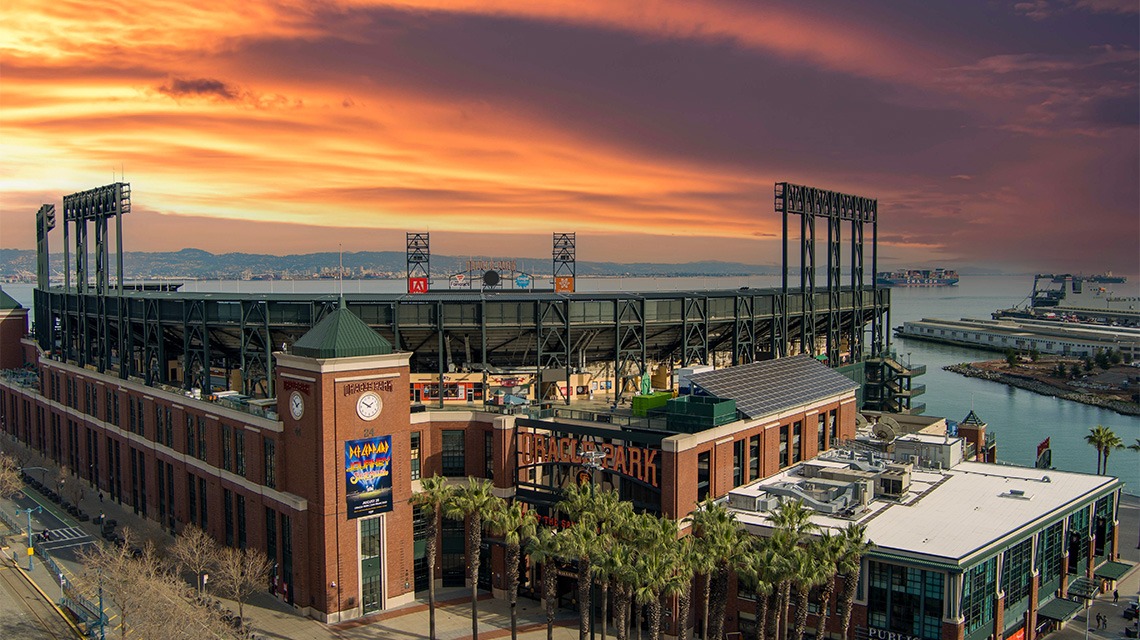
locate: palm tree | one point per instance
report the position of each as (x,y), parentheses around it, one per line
(1135,447)
(1104,440)
(612,514)
(1111,441)
(855,545)
(810,571)
(623,568)
(516,526)
(544,549)
(757,569)
(792,524)
(828,550)
(580,542)
(686,568)
(715,527)
(472,502)
(434,493)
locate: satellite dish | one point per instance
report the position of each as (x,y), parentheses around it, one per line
(884,431)
(491,278)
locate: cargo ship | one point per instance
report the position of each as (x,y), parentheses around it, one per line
(917,278)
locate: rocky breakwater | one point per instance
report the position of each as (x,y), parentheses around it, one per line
(986,371)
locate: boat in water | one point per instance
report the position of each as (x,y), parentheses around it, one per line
(917,278)
(1082,299)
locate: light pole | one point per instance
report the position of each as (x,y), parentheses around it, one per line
(592,460)
(31,544)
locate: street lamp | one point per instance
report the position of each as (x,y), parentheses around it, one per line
(31,544)
(592,460)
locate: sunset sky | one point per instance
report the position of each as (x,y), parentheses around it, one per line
(995,134)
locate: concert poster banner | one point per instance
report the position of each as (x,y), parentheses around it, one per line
(368,476)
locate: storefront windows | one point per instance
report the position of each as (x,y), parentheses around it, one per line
(978,590)
(905,600)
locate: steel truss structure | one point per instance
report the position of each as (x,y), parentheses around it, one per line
(164,333)
(835,208)
(203,340)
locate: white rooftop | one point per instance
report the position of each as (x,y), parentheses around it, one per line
(953,514)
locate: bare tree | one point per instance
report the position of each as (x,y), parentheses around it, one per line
(240,573)
(195,551)
(10,483)
(125,579)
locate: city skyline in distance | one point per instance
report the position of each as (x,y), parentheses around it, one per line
(994,135)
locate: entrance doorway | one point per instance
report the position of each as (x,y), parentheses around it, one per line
(371,574)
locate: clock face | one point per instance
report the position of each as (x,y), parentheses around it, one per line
(296,405)
(368,406)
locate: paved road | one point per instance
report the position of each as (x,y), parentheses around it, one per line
(26,614)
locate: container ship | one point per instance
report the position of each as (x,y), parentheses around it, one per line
(917,278)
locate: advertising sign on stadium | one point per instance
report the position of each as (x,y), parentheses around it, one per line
(417,285)
(368,476)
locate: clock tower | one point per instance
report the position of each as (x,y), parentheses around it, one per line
(345,405)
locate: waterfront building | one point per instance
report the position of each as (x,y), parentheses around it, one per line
(1024,336)
(961,550)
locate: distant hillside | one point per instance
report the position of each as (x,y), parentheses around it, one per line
(195,263)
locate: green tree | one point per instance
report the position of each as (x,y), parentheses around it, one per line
(1010,358)
(793,525)
(472,502)
(1034,355)
(828,550)
(716,526)
(580,543)
(755,570)
(434,494)
(544,550)
(1104,440)
(1102,360)
(516,526)
(1089,364)
(855,545)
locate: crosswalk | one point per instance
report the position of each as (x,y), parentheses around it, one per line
(65,537)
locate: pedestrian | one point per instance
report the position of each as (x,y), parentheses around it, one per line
(1115,596)
(100,497)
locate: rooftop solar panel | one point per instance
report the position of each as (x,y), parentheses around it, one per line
(763,388)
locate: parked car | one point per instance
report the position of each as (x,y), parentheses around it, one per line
(1131,611)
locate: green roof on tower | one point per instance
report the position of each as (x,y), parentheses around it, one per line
(341,334)
(8,302)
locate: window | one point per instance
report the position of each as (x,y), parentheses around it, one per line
(703,475)
(821,433)
(270,464)
(1016,572)
(191,441)
(227,447)
(271,538)
(905,600)
(754,457)
(797,427)
(738,462)
(201,438)
(202,510)
(192,499)
(1050,546)
(832,426)
(228,505)
(785,459)
(488,455)
(415,455)
(978,595)
(239,452)
(452,458)
(240,521)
